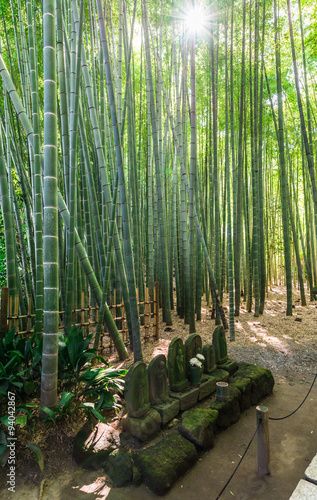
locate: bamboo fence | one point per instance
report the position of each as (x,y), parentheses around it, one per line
(86,317)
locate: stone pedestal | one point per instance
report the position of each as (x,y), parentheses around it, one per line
(168,410)
(198,427)
(230,366)
(186,399)
(208,383)
(229,411)
(143,428)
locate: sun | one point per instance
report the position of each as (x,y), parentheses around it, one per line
(195,19)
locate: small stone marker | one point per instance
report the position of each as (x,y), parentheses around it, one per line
(136,392)
(220,345)
(176,365)
(158,385)
(193,346)
(210,359)
(311,471)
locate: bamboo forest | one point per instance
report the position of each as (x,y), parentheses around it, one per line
(158,213)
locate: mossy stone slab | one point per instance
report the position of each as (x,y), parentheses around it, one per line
(229,411)
(244,386)
(262,381)
(143,428)
(186,399)
(162,464)
(198,426)
(119,469)
(208,383)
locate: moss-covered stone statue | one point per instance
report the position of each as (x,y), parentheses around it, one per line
(220,344)
(176,365)
(179,384)
(167,407)
(193,346)
(210,364)
(158,384)
(141,421)
(136,392)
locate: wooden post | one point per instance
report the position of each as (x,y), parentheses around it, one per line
(262,418)
(82,312)
(16,313)
(28,329)
(125,333)
(4,310)
(114,314)
(73,307)
(147,315)
(137,300)
(156,310)
(10,312)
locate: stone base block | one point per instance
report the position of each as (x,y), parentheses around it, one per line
(186,399)
(198,426)
(262,380)
(162,465)
(208,383)
(244,386)
(168,410)
(229,411)
(230,366)
(143,428)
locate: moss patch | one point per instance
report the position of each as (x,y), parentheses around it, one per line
(162,464)
(229,411)
(198,426)
(262,381)
(244,386)
(119,468)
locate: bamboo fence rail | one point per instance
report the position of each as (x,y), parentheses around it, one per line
(86,317)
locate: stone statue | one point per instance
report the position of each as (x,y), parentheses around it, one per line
(193,346)
(136,390)
(176,365)
(158,386)
(210,359)
(220,345)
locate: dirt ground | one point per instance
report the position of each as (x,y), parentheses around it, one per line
(286,345)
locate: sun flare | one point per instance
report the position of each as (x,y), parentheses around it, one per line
(195,19)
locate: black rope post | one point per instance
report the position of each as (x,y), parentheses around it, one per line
(262,418)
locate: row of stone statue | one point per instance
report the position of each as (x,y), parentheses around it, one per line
(153,386)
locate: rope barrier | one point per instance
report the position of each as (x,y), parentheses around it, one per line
(270,418)
(283,418)
(235,470)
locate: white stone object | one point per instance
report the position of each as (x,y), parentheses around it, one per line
(304,491)
(311,471)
